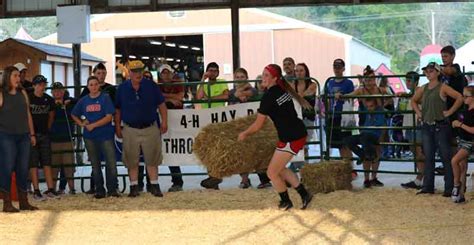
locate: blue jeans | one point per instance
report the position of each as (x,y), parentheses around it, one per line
(437,137)
(95,149)
(14,157)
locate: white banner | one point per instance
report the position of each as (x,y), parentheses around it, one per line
(184,125)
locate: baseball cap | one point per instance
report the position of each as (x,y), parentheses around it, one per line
(57,85)
(165,67)
(39,79)
(136,65)
(339,63)
(20,66)
(432,65)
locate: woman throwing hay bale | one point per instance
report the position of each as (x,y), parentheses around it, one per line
(277,103)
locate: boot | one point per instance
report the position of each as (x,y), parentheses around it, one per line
(155,190)
(7,203)
(23,200)
(134,191)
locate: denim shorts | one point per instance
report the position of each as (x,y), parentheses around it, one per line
(466,145)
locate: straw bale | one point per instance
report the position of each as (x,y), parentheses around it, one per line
(220,152)
(327,176)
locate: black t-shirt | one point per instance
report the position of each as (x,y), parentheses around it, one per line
(457,82)
(40,108)
(106,88)
(467,119)
(278,105)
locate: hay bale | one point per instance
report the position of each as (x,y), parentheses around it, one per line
(327,176)
(220,152)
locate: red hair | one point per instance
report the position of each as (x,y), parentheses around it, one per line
(277,74)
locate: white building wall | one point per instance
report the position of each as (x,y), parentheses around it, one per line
(363,55)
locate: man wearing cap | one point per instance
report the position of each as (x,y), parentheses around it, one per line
(137,102)
(61,138)
(338,85)
(42,110)
(174,95)
(25,83)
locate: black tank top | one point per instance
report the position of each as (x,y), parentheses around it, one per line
(13,114)
(308,114)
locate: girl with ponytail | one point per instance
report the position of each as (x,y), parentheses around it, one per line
(277,103)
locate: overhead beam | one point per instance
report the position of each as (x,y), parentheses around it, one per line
(101,6)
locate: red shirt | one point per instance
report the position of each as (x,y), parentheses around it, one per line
(171,89)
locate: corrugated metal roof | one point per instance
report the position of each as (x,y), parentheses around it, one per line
(56,50)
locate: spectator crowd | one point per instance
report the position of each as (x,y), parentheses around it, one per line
(39,128)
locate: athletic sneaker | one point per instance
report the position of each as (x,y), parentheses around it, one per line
(440,170)
(455,194)
(376,182)
(62,192)
(264,185)
(461,200)
(72,192)
(306,200)
(52,194)
(245,185)
(175,188)
(285,205)
(367,183)
(411,185)
(354,174)
(37,196)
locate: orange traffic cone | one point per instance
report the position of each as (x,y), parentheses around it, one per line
(13,193)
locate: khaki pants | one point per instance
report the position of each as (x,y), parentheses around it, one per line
(64,158)
(148,140)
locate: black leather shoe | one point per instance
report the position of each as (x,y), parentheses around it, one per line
(99,195)
(285,205)
(211,183)
(446,194)
(155,190)
(113,194)
(134,191)
(306,200)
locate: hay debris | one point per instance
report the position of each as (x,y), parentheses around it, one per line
(220,152)
(327,176)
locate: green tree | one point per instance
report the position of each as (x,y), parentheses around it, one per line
(401,30)
(37,27)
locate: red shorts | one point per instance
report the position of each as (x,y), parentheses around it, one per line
(292,147)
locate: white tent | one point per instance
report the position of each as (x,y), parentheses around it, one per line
(22,34)
(465,56)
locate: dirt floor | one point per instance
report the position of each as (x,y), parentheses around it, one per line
(374,216)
